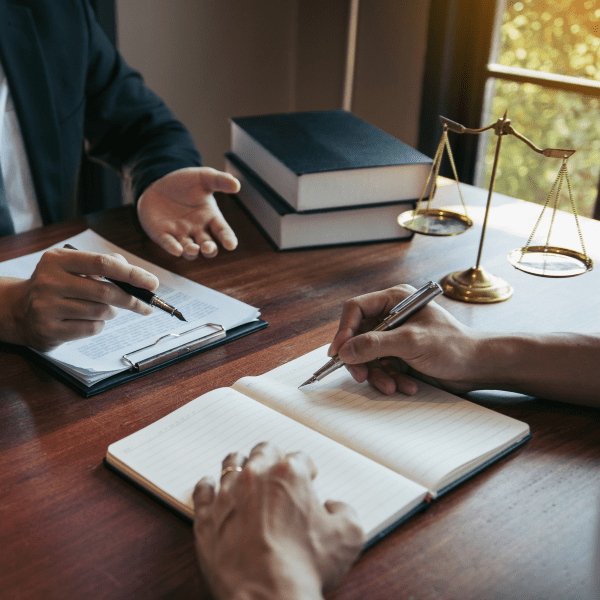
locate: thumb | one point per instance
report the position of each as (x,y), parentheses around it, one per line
(370,346)
(218,181)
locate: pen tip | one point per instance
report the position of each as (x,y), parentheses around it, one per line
(177,314)
(308,382)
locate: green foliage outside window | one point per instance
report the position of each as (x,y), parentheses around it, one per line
(554,36)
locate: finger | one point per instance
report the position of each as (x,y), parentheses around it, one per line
(232,465)
(347,514)
(335,507)
(223,232)
(99,292)
(209,249)
(205,243)
(405,384)
(203,497)
(369,346)
(363,313)
(359,372)
(358,313)
(302,464)
(70,309)
(381,380)
(233,460)
(182,246)
(105,265)
(218,181)
(59,332)
(204,493)
(168,242)
(190,248)
(263,456)
(352,316)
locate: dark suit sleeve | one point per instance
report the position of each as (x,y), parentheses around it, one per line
(127,126)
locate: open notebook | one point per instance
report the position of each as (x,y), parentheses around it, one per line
(384,455)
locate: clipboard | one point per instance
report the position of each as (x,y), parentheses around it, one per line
(211,336)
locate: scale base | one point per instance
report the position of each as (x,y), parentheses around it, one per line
(476,285)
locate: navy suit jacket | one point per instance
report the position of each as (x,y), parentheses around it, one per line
(69,84)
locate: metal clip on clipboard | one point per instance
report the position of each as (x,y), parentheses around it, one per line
(146,363)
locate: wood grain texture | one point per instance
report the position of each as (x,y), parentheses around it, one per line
(524,528)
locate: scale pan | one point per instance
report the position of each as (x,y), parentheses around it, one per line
(550,261)
(434,221)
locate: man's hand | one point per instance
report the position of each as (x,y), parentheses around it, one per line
(435,347)
(265,534)
(432,345)
(180,214)
(63,300)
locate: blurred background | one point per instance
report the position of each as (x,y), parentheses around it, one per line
(215,59)
(397,64)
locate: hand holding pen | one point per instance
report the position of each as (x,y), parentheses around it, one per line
(362,336)
(145,295)
(63,300)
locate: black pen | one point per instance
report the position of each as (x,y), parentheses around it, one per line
(142,294)
(400,313)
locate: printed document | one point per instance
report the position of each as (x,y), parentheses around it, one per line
(92,359)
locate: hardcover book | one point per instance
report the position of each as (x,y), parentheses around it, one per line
(328,159)
(288,229)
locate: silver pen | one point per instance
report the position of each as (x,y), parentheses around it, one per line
(398,315)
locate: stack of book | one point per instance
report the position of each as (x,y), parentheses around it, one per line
(324,178)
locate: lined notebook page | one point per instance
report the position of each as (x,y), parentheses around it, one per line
(175,452)
(432,437)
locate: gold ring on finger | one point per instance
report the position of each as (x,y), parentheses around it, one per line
(231,470)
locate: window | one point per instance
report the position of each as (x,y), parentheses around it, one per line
(544,69)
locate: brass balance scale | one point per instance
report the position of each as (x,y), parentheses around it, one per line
(476,284)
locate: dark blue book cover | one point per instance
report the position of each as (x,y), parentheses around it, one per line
(332,140)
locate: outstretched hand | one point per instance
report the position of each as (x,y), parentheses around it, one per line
(264,533)
(180,213)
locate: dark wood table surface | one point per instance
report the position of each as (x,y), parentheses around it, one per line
(524,528)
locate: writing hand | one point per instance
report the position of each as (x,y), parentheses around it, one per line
(264,533)
(62,301)
(180,213)
(432,345)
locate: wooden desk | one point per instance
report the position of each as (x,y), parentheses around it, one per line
(524,528)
